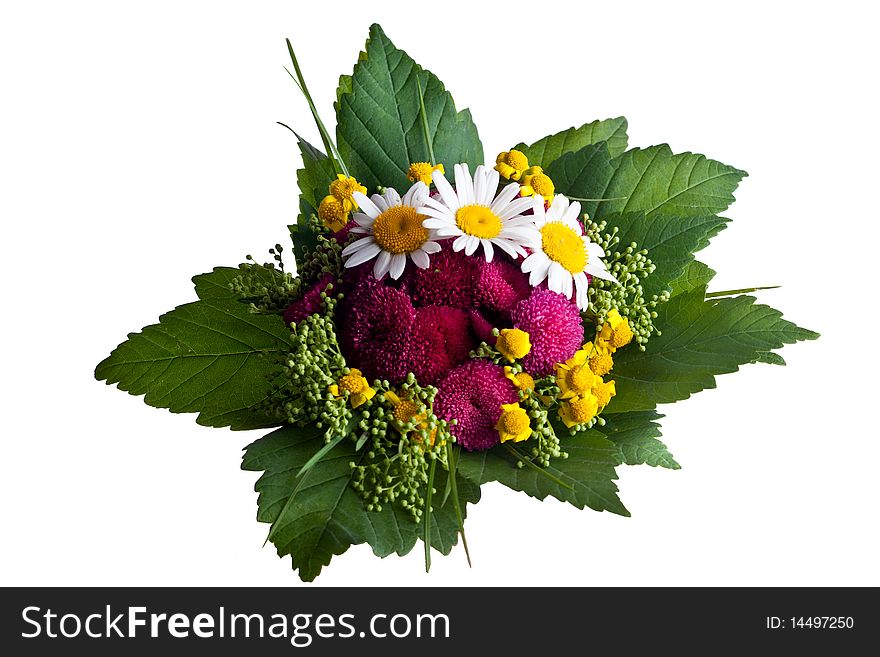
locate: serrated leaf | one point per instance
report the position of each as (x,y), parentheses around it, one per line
(379,132)
(315,176)
(545,151)
(214,285)
(671,242)
(207,357)
(589,470)
(583,174)
(655,180)
(699,340)
(695,276)
(769,358)
(636,436)
(326,516)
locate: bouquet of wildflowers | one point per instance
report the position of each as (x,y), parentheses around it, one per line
(452,322)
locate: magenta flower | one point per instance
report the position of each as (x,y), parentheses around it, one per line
(473,394)
(500,285)
(309,303)
(448,281)
(554,327)
(441,339)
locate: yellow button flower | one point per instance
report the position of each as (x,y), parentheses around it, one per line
(574,377)
(521,380)
(599,357)
(514,423)
(353,385)
(513,344)
(332,213)
(406,411)
(343,189)
(511,164)
(579,410)
(603,392)
(423,171)
(535,182)
(616,331)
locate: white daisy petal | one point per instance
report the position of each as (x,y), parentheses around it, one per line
(567,285)
(392,198)
(430,202)
(556,277)
(506,246)
(464,185)
(420,258)
(540,272)
(449,231)
(581,286)
(593,250)
(533,261)
(505,196)
(516,207)
(450,198)
(369,208)
(361,256)
(459,243)
(572,212)
(435,222)
(382,264)
(415,195)
(488,250)
(357,245)
(398,264)
(431,247)
(471,245)
(600,272)
(380,202)
(362,219)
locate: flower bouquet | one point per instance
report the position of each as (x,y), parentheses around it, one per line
(451,323)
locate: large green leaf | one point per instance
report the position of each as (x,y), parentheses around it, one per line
(315,176)
(207,357)
(671,242)
(655,180)
(378,122)
(544,151)
(319,514)
(588,472)
(699,340)
(696,276)
(214,285)
(583,174)
(636,436)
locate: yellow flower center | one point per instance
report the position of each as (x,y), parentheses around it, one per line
(479,221)
(514,421)
(583,409)
(422,171)
(332,213)
(580,379)
(405,410)
(513,343)
(601,363)
(603,393)
(399,230)
(517,160)
(353,382)
(563,245)
(542,185)
(343,188)
(621,335)
(525,381)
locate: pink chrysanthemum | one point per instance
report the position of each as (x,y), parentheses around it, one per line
(377,323)
(309,303)
(441,339)
(473,394)
(500,285)
(554,327)
(482,327)
(449,281)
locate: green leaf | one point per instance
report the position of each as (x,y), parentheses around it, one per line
(326,515)
(214,285)
(696,276)
(207,357)
(671,242)
(770,358)
(588,470)
(699,340)
(636,436)
(583,174)
(656,181)
(315,176)
(379,131)
(544,151)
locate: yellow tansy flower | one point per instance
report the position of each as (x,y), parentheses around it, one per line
(535,182)
(405,411)
(599,357)
(574,377)
(514,423)
(332,213)
(616,331)
(513,344)
(355,385)
(511,164)
(423,171)
(343,189)
(521,380)
(579,410)
(603,392)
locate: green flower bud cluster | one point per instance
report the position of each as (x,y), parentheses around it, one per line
(300,387)
(268,288)
(630,266)
(544,443)
(325,258)
(400,441)
(487,351)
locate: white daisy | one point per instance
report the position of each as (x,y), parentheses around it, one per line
(475,216)
(565,255)
(393,231)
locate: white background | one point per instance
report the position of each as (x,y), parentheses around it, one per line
(139,147)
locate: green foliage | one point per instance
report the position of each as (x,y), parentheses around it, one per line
(695,276)
(636,436)
(314,180)
(589,472)
(545,151)
(320,515)
(699,340)
(378,125)
(207,357)
(583,174)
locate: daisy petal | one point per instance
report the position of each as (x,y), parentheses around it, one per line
(431,247)
(488,249)
(366,205)
(380,267)
(420,258)
(464,184)
(471,245)
(446,192)
(504,197)
(398,264)
(459,242)
(361,256)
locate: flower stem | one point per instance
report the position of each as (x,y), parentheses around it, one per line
(427,515)
(424,114)
(745,290)
(522,458)
(452,460)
